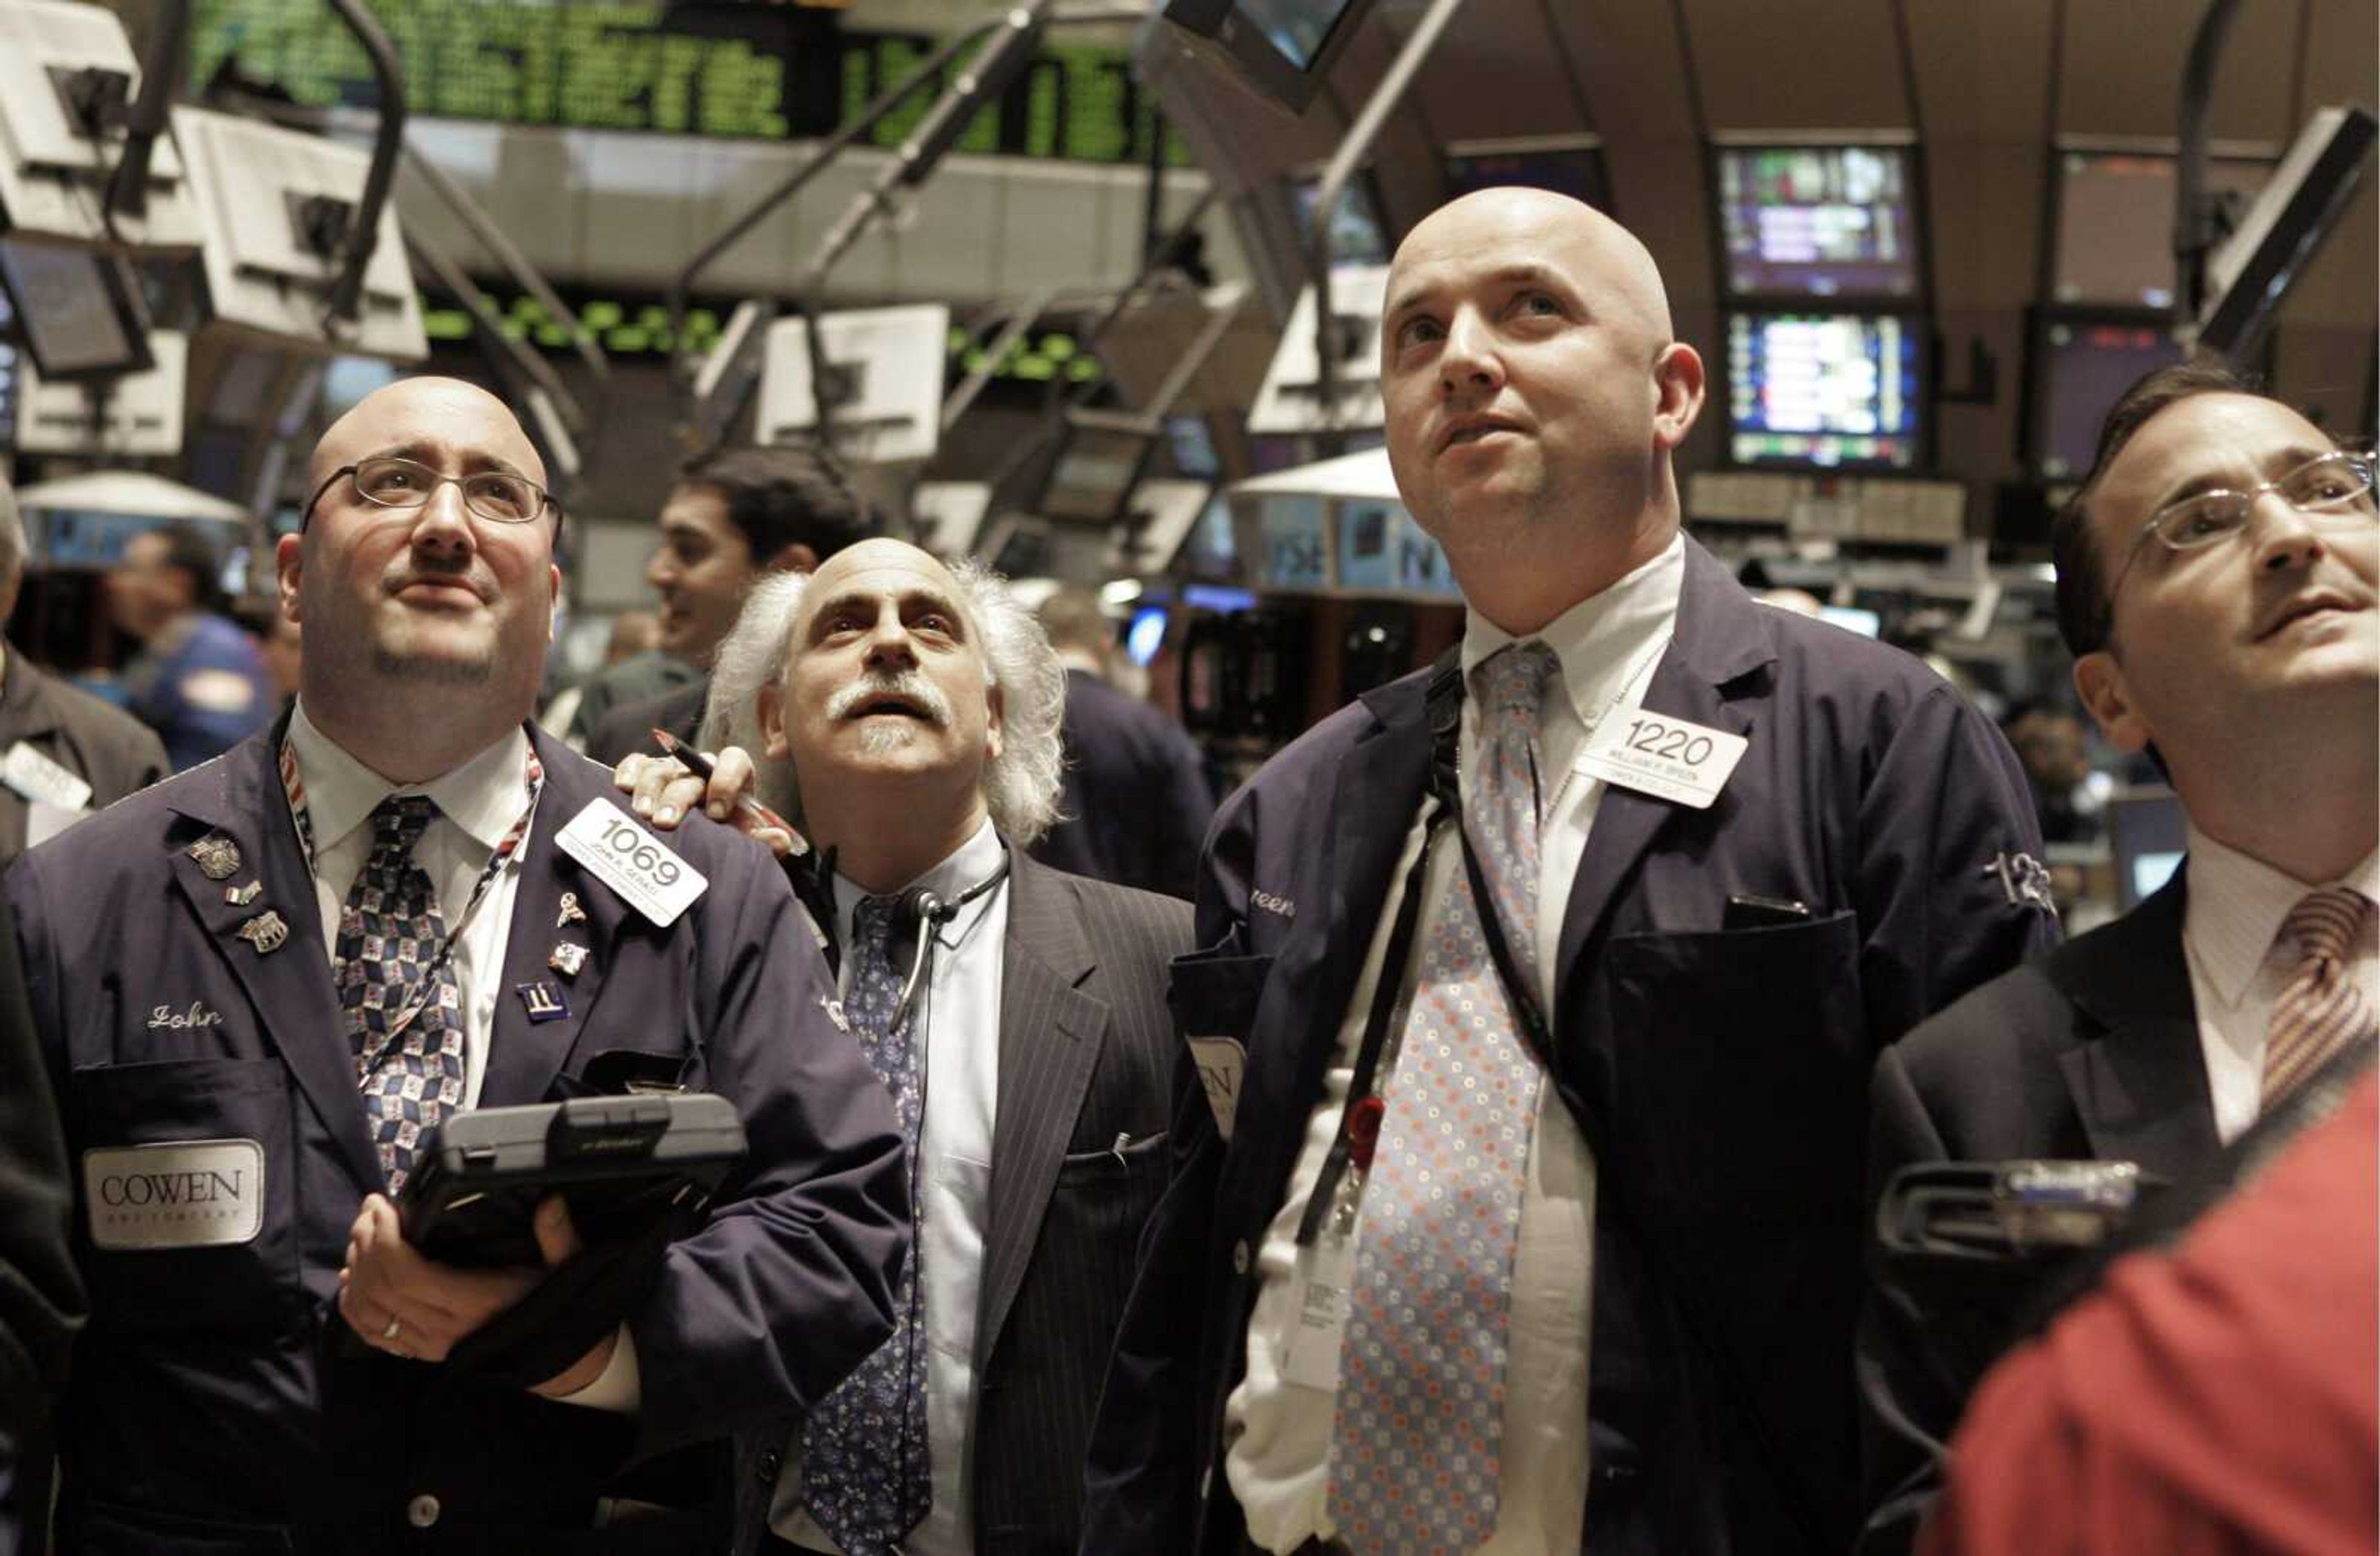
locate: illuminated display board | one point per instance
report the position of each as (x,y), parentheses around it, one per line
(763,72)
(1824,391)
(1818,220)
(629,327)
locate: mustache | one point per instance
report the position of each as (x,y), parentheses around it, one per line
(909,686)
(429,569)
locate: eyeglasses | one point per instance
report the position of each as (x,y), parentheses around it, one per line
(498,497)
(2334,491)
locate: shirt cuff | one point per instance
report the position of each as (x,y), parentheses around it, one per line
(619,1388)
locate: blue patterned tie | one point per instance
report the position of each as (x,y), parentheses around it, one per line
(391,937)
(1417,1442)
(866,1475)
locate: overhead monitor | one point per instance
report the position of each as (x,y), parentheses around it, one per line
(68,79)
(76,310)
(1289,402)
(889,362)
(2249,274)
(1825,391)
(276,204)
(2081,368)
(1283,47)
(135,416)
(1820,221)
(2115,224)
(1569,164)
(1095,471)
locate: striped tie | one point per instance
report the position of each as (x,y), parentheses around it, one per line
(2320,1011)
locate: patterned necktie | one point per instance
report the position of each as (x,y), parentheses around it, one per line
(866,1475)
(391,937)
(2320,1011)
(1415,1450)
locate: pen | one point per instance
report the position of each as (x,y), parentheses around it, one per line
(701,766)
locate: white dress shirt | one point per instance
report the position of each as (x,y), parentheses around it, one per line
(961,1085)
(477,803)
(2231,927)
(1278,1432)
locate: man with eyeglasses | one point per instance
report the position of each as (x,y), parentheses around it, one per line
(2217,573)
(263,983)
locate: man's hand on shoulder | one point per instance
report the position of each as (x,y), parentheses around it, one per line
(665,792)
(411,1307)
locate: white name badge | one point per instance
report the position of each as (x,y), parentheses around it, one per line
(36,777)
(1663,756)
(1219,1061)
(1313,1360)
(180,1194)
(632,861)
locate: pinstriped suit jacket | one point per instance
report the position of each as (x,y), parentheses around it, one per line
(1087,1055)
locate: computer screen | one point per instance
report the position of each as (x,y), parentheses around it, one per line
(2083,368)
(1283,47)
(1824,391)
(2115,224)
(1570,166)
(1820,221)
(1358,236)
(76,310)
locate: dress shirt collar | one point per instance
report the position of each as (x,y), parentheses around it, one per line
(483,796)
(2237,905)
(1603,639)
(969,865)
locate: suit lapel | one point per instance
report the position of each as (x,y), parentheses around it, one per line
(289,986)
(2139,1087)
(1051,1032)
(1717,639)
(524,1055)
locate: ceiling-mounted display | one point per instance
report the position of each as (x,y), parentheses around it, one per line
(1825,391)
(1831,221)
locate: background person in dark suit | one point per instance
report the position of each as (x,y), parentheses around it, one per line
(257,983)
(2217,574)
(1136,804)
(107,751)
(908,716)
(1718,977)
(735,516)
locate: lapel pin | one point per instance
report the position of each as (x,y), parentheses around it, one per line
(240,896)
(833,1009)
(571,912)
(266,932)
(542,1001)
(217,854)
(567,959)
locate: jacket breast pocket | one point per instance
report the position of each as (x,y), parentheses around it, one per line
(1740,1069)
(184,1194)
(1213,1000)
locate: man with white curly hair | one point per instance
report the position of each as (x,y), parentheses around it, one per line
(905,716)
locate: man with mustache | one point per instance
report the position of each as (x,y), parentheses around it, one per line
(1521,1209)
(908,718)
(2217,573)
(262,985)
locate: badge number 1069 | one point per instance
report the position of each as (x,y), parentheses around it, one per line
(632,861)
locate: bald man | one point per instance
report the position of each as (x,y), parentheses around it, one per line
(263,983)
(1539,1227)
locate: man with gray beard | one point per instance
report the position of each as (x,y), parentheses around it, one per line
(907,717)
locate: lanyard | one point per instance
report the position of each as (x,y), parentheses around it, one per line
(294,785)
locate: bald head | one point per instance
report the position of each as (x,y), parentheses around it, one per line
(419,412)
(1550,229)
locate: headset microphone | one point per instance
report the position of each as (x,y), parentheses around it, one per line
(920,912)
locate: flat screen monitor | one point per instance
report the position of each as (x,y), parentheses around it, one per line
(1566,165)
(75,309)
(2084,366)
(2115,224)
(1820,221)
(1825,391)
(2148,835)
(1283,47)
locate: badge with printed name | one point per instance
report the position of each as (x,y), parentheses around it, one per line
(1219,1061)
(176,1194)
(37,777)
(632,861)
(1662,755)
(1329,1267)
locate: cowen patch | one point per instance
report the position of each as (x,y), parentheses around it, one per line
(179,1194)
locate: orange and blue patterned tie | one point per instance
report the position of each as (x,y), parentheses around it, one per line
(1416,1447)
(2320,1010)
